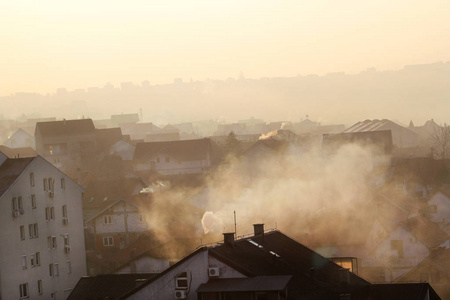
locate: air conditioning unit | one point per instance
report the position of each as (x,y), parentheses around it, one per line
(65,220)
(213,272)
(15,213)
(51,194)
(180,294)
(67,249)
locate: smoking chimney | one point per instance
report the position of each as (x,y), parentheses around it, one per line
(228,238)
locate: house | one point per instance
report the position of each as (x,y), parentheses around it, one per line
(69,144)
(439,208)
(20,139)
(266,265)
(42,241)
(138,131)
(435,270)
(107,137)
(405,245)
(401,136)
(175,157)
(124,149)
(116,120)
(107,286)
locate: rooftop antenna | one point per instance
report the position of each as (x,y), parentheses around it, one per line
(235,230)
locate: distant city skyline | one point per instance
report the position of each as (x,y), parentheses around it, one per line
(51,44)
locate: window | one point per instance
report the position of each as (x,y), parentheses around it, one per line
(181,281)
(49,213)
(40,289)
(45,184)
(24,261)
(14,204)
(22,233)
(397,245)
(33,201)
(20,203)
(50,270)
(66,239)
(64,211)
(33,230)
(35,259)
(51,242)
(51,184)
(63,183)
(53,296)
(55,269)
(108,241)
(141,218)
(24,290)
(68,267)
(107,219)
(31,179)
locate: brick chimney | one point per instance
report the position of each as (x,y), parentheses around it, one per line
(228,238)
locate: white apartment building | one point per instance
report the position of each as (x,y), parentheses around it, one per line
(42,252)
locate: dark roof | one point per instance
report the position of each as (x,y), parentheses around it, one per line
(278,254)
(394,291)
(249,284)
(10,170)
(65,127)
(423,170)
(185,150)
(110,286)
(107,137)
(428,232)
(112,190)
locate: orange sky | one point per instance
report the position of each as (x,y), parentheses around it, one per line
(49,44)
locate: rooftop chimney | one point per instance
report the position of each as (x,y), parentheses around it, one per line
(258,229)
(228,238)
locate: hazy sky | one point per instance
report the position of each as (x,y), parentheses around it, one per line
(77,44)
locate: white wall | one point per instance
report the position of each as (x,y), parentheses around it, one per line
(12,247)
(442,208)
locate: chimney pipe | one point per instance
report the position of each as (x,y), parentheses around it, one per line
(228,238)
(258,229)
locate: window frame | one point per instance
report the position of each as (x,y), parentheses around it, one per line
(33,201)
(24,293)
(32,179)
(109,241)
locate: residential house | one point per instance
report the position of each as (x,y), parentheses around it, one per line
(380,140)
(42,241)
(401,136)
(439,208)
(124,149)
(435,270)
(138,131)
(69,144)
(175,157)
(267,265)
(405,245)
(20,139)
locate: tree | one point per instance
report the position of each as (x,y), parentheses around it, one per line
(440,139)
(232,144)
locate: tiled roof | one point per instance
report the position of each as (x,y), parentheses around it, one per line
(10,170)
(65,127)
(111,286)
(107,137)
(185,150)
(428,232)
(367,125)
(393,291)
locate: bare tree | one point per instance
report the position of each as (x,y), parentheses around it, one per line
(440,139)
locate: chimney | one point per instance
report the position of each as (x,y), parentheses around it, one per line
(258,229)
(344,276)
(228,238)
